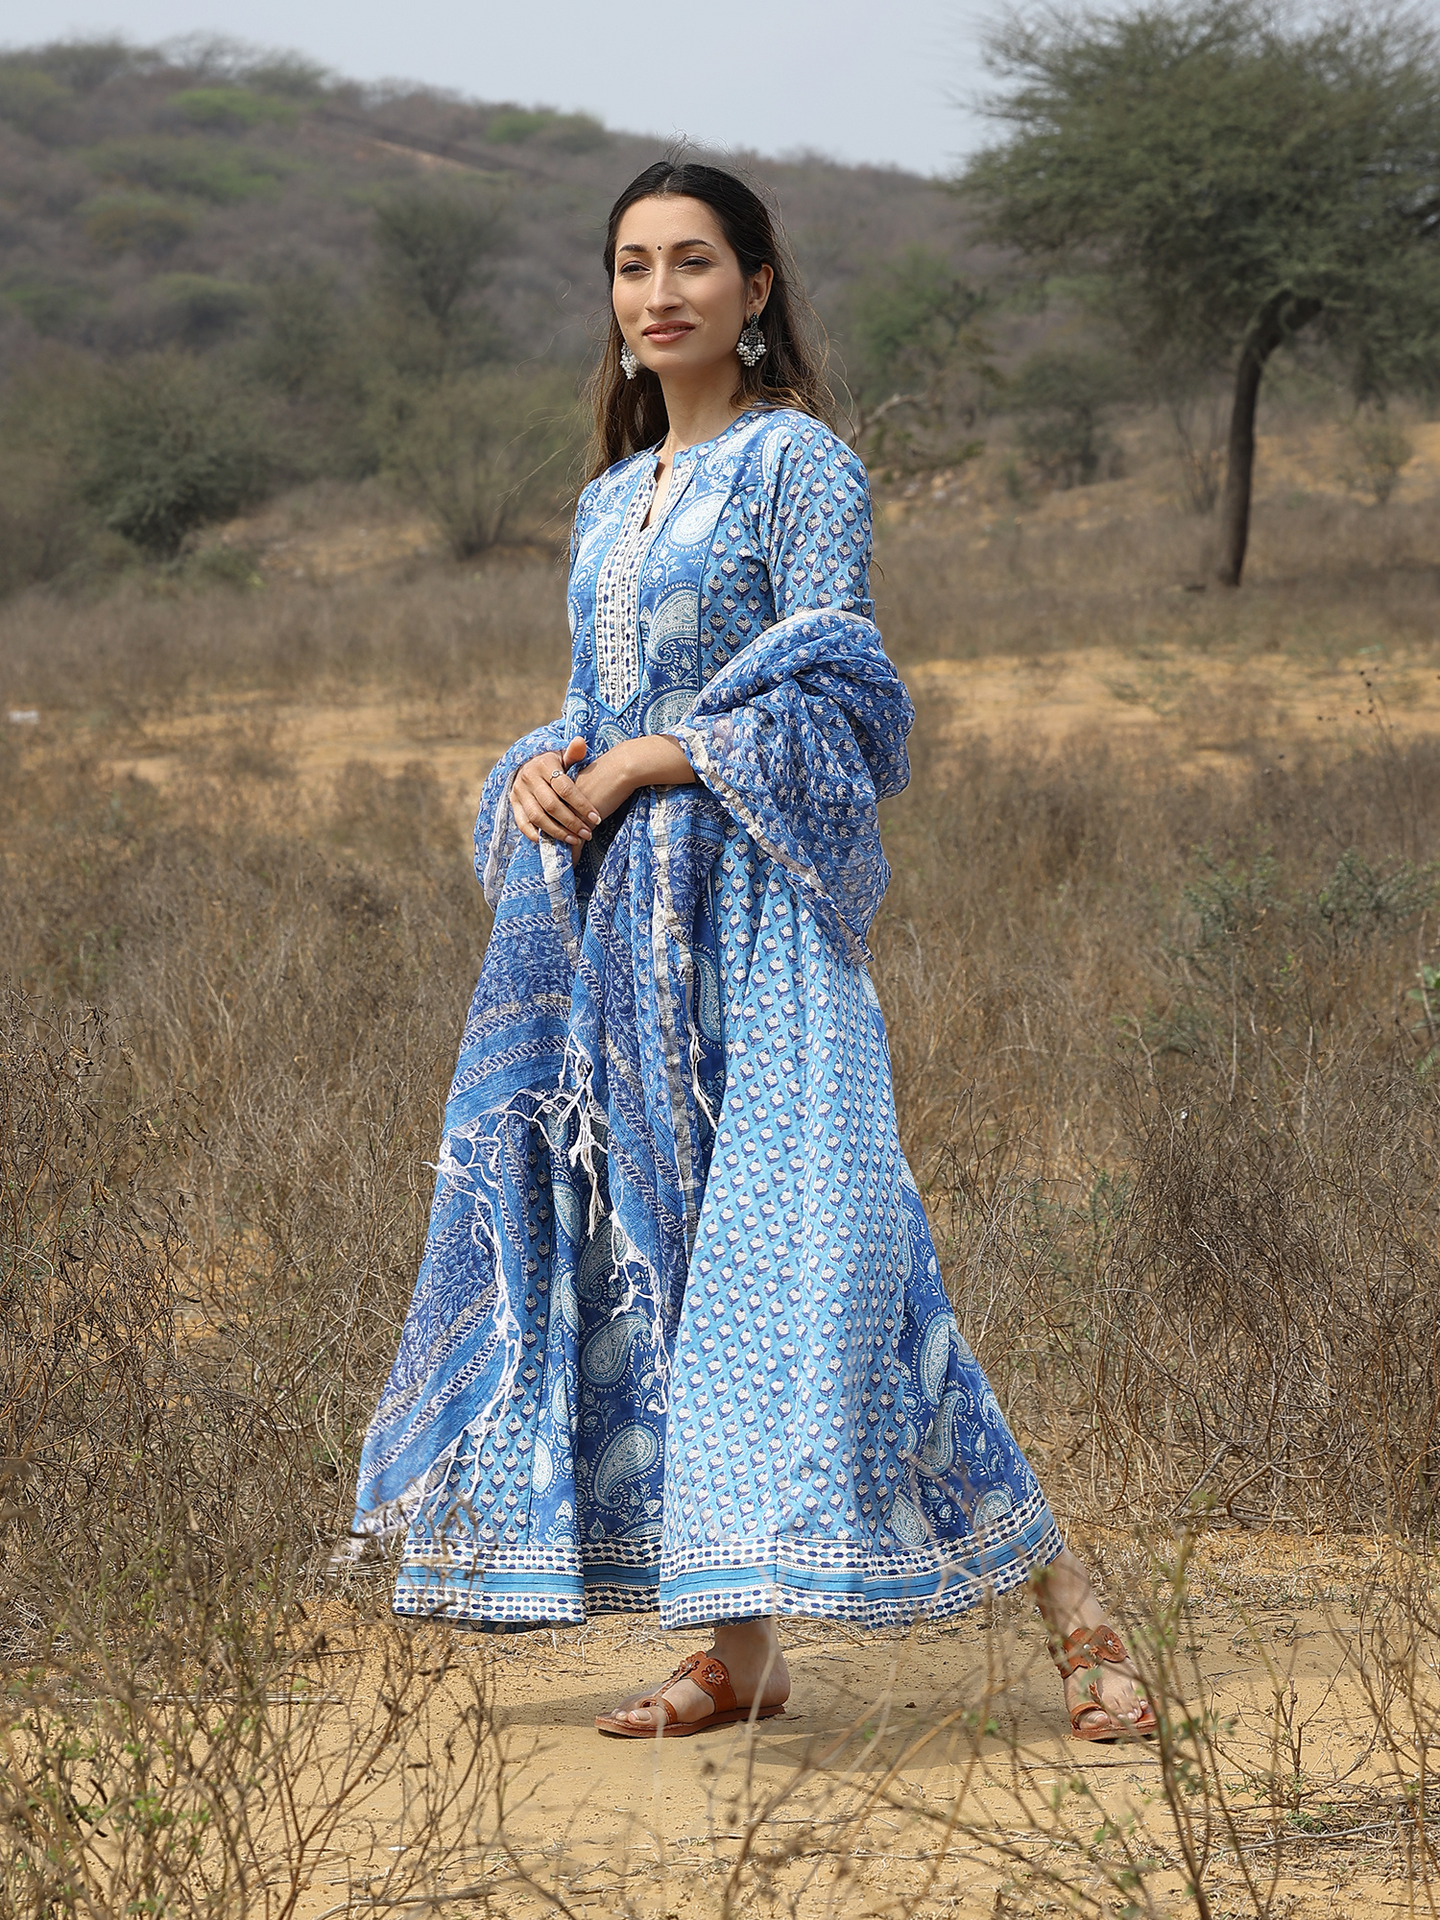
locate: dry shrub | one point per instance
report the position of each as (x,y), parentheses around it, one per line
(181,1736)
(1076,949)
(1325,576)
(485,456)
(232,1760)
(301,1006)
(1269,1347)
(1378,449)
(89,1251)
(1158,1057)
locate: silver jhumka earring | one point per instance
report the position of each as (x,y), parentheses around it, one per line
(628,361)
(751,344)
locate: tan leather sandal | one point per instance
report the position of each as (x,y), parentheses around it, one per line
(712,1677)
(1090,1647)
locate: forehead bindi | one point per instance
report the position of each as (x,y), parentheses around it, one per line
(662,225)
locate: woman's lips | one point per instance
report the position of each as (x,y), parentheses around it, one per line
(660,335)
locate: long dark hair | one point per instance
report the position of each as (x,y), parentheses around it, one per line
(630,414)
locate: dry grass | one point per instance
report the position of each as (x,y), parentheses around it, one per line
(965,573)
(1163,1066)
(1156,1053)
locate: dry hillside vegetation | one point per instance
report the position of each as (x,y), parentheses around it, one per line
(1159,965)
(154,198)
(226,274)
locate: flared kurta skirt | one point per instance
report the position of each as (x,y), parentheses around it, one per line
(803,1430)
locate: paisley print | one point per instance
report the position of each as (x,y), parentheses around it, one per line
(992,1509)
(937,1456)
(907,1521)
(677,617)
(935,1356)
(627,1456)
(606,1356)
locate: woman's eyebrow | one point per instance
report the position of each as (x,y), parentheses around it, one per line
(639,246)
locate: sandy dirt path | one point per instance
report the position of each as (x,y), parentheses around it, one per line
(932,1767)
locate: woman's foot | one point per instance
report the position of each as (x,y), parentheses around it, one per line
(750,1651)
(1114,1692)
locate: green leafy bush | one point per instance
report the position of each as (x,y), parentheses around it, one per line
(1377,450)
(301,337)
(199,309)
(1064,396)
(576,133)
(223,173)
(919,361)
(234,567)
(51,305)
(288,74)
(44,528)
(234,108)
(570,132)
(172,445)
(911,320)
(512,126)
(27,94)
(433,246)
(142,223)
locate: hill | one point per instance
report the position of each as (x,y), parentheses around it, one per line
(212,294)
(149,197)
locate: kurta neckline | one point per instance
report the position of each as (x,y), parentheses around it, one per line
(699,446)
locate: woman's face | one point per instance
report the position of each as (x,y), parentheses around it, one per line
(680,296)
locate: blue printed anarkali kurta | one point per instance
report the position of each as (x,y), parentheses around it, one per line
(680,1339)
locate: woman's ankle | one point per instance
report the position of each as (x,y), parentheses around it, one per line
(747,1638)
(1065,1598)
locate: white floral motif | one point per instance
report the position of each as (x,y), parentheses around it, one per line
(617,605)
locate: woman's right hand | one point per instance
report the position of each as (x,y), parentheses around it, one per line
(543,803)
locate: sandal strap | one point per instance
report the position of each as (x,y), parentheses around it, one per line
(1144,1723)
(657,1699)
(712,1676)
(1088,1647)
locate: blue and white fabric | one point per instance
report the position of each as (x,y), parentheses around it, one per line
(680,1338)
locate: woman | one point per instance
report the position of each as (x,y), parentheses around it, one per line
(680,1339)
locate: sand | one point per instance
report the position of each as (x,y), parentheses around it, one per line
(928,1772)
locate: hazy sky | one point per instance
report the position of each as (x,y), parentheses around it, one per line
(858,79)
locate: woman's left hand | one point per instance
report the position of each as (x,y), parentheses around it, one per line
(654,760)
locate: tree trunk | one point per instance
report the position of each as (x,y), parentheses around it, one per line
(1283,316)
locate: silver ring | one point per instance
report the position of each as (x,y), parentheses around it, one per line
(563,773)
